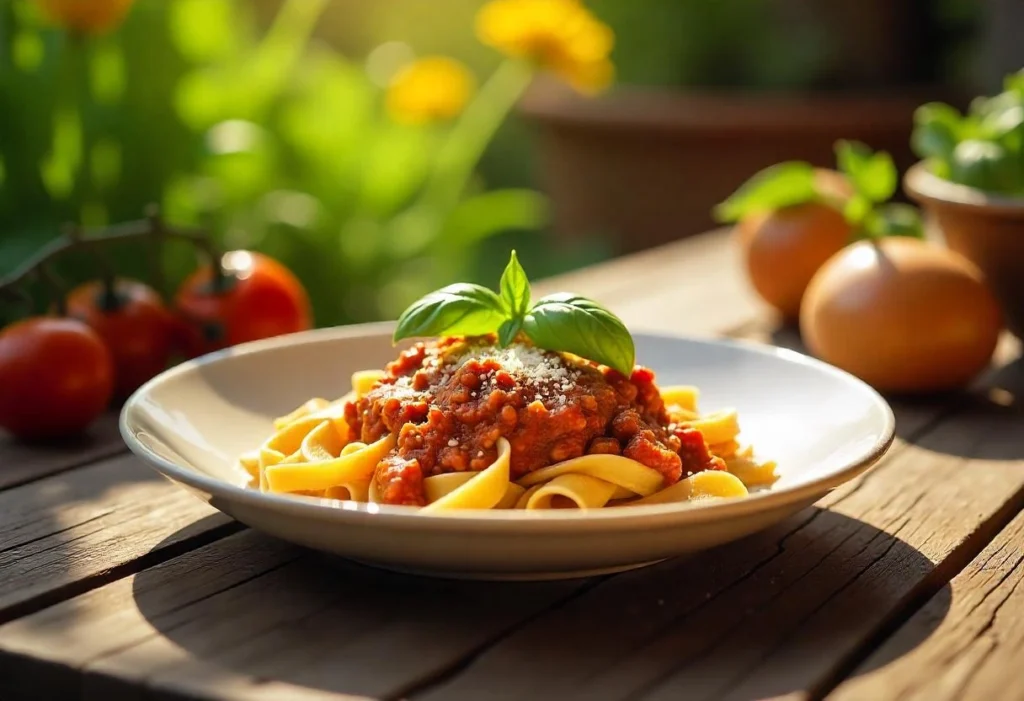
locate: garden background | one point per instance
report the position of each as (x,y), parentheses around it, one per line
(267,121)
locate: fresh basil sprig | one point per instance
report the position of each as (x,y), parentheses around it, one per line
(557,322)
(874,178)
(778,186)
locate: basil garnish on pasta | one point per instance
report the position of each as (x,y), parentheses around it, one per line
(560,322)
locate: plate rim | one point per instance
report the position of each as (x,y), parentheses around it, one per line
(487,520)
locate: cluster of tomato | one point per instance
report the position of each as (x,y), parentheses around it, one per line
(59,373)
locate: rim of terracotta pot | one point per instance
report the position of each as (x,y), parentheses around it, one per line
(629,106)
(927,188)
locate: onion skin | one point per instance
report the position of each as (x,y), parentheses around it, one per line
(904,315)
(783,249)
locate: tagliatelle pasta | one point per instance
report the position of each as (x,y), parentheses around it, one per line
(462,424)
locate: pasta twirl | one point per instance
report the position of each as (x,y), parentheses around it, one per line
(459,424)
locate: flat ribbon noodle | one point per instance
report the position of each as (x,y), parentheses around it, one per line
(438,486)
(364,380)
(703,485)
(484,490)
(322,443)
(313,405)
(585,491)
(751,472)
(355,490)
(718,427)
(683,396)
(615,469)
(351,491)
(357,466)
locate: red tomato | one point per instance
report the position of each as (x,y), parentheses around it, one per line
(92,17)
(134,324)
(260,298)
(56,377)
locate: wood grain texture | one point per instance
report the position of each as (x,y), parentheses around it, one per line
(695,286)
(227,618)
(977,645)
(59,533)
(790,611)
(22,462)
(778,612)
(785,611)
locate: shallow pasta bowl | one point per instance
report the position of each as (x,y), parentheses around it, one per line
(823,427)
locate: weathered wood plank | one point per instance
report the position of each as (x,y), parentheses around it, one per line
(775,613)
(968,650)
(249,608)
(784,611)
(695,286)
(25,462)
(62,534)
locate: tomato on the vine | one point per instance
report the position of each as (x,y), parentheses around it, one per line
(132,320)
(255,297)
(56,377)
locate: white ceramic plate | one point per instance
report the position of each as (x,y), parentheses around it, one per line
(823,426)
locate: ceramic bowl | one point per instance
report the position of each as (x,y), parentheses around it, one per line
(823,426)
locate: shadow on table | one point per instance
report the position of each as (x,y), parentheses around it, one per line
(784,610)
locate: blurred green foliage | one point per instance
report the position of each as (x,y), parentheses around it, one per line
(983,148)
(244,123)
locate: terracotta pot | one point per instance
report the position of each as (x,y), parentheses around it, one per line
(646,166)
(986,229)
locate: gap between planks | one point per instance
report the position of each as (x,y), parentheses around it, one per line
(187,642)
(975,648)
(66,534)
(22,463)
(248,686)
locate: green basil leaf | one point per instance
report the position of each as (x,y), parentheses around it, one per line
(937,129)
(509,330)
(573,324)
(895,219)
(857,209)
(1014,83)
(872,174)
(515,288)
(985,165)
(998,124)
(461,309)
(775,187)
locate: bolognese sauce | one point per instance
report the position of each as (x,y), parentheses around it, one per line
(449,401)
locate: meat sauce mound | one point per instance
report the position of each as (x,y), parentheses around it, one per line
(449,401)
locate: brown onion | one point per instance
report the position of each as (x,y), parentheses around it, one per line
(902,314)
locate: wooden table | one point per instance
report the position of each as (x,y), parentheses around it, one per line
(903,585)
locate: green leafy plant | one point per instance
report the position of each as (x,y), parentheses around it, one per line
(983,148)
(246,126)
(871,176)
(557,322)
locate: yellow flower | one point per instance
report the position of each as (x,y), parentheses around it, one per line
(86,16)
(429,89)
(561,36)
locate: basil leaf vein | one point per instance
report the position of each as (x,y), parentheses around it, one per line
(461,309)
(515,288)
(508,331)
(573,324)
